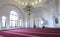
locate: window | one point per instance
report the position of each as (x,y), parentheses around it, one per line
(42,21)
(21,22)
(13,19)
(3,21)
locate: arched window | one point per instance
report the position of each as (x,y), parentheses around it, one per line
(3,21)
(13,19)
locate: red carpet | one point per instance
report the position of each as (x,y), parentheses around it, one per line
(30,32)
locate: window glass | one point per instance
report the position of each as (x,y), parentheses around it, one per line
(3,21)
(21,22)
(13,18)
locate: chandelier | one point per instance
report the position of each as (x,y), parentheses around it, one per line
(28,4)
(31,2)
(29,9)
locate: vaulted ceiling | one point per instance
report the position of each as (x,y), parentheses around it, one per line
(39,7)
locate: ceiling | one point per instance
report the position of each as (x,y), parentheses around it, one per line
(39,8)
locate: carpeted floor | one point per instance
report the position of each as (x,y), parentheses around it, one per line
(1,36)
(32,32)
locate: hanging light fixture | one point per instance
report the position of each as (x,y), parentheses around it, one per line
(28,4)
(31,2)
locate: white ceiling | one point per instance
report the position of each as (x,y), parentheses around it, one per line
(39,9)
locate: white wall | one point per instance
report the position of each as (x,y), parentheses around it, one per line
(46,11)
(5,9)
(58,14)
(49,11)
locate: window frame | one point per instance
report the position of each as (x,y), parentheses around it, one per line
(14,20)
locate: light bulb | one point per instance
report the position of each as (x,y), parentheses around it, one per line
(22,3)
(36,2)
(32,3)
(26,3)
(40,1)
